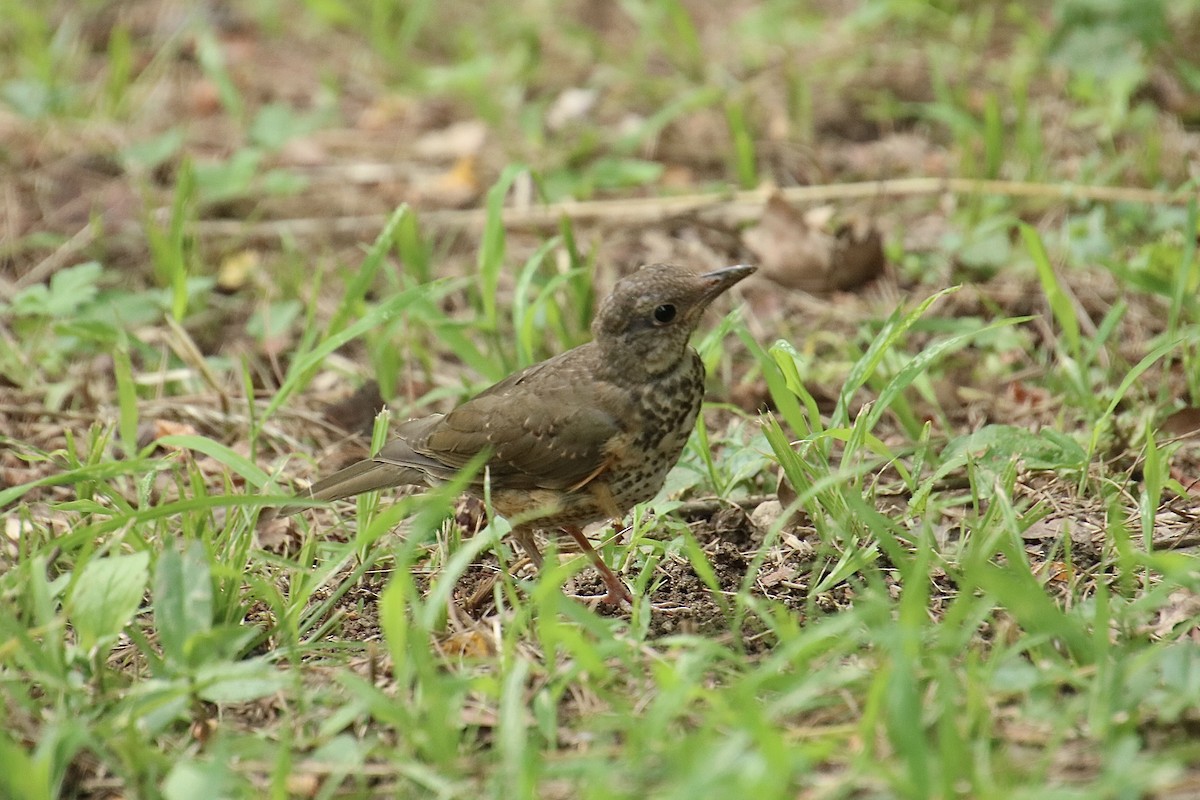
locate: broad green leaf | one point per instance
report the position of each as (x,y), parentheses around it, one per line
(238,681)
(106,596)
(22,776)
(183,599)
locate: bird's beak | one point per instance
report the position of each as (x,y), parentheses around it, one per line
(721,279)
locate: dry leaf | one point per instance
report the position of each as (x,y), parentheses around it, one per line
(696,137)
(14,527)
(467,644)
(356,413)
(470,514)
(165,427)
(784,489)
(1022,394)
(795,250)
(150,431)
(384,112)
(203,730)
(204,98)
(570,106)
(1183,424)
(303,151)
(302,784)
(1045,528)
(1189,482)
(677,176)
(777,576)
(278,535)
(1081,530)
(1182,606)
(1054,571)
(456,187)
(236,269)
(768,513)
(457,141)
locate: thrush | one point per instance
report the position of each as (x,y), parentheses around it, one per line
(579,438)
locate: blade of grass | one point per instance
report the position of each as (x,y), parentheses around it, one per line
(1060,304)
(893,329)
(360,282)
(305,365)
(127,424)
(490,260)
(915,367)
(1187,276)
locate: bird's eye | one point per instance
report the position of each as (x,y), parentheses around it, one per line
(664,314)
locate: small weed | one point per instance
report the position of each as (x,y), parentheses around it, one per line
(923,528)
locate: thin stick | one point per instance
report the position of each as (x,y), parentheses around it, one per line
(734,206)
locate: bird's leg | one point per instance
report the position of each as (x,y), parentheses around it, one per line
(617,590)
(481,593)
(524,536)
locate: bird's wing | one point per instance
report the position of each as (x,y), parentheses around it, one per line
(541,428)
(400,452)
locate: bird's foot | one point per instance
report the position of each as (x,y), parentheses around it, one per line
(482,593)
(617,590)
(610,598)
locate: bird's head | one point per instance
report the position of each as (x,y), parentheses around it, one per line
(644,325)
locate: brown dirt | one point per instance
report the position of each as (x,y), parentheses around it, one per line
(67,198)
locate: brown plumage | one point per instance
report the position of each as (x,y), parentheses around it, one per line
(580,437)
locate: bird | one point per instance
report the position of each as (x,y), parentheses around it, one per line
(579,438)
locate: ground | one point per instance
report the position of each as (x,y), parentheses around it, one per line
(934,536)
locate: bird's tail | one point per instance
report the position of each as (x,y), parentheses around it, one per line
(364,476)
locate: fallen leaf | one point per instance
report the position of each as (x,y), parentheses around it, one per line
(783,489)
(1055,571)
(1045,528)
(677,176)
(783,573)
(302,784)
(384,112)
(1183,424)
(456,187)
(767,514)
(457,141)
(470,515)
(279,535)
(467,644)
(1182,606)
(1022,394)
(235,270)
(203,730)
(16,528)
(203,98)
(797,251)
(695,137)
(1189,482)
(164,427)
(150,431)
(570,106)
(303,151)
(356,413)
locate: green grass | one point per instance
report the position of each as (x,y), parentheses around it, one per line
(970,570)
